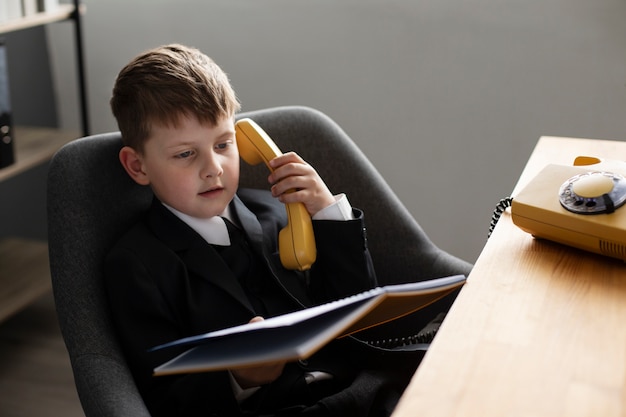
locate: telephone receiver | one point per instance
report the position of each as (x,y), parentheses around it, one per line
(582,205)
(296,241)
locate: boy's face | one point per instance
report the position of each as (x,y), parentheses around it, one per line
(193,168)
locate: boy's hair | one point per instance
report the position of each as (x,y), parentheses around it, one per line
(163,84)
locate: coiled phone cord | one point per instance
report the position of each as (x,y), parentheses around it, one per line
(419,341)
(497,213)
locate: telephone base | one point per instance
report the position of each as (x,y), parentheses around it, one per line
(538,211)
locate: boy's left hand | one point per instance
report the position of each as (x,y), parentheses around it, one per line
(295,181)
(256,376)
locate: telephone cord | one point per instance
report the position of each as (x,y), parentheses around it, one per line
(497,213)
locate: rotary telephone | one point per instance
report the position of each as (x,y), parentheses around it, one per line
(296,242)
(579,205)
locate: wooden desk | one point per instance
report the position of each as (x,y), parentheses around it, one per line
(538,330)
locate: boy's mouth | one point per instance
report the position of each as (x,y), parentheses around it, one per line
(211,192)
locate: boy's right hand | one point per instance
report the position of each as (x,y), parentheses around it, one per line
(258,375)
(295,181)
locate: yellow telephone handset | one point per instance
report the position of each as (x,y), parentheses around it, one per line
(296,242)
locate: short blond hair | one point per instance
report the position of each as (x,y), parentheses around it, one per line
(163,84)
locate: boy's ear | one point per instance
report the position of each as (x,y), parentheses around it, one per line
(131,161)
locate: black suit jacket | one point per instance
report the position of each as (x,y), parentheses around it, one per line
(165,282)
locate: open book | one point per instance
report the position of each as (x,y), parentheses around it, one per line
(300,334)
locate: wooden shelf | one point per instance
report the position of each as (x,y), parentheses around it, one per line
(24,274)
(62,12)
(34,145)
(24,268)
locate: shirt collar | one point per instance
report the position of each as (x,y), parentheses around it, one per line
(213,229)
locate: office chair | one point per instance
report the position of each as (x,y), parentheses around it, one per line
(92,201)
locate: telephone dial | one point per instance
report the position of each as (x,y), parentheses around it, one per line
(580,205)
(296,242)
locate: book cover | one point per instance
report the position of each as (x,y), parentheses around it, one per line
(6,123)
(300,334)
(30,7)
(47,5)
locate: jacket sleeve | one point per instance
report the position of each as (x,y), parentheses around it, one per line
(344,266)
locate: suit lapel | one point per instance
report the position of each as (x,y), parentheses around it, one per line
(200,258)
(250,225)
(291,282)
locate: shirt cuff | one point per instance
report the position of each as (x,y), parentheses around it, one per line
(341,210)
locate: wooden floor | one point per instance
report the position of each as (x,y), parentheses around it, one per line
(35,375)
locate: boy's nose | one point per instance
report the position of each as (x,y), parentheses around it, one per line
(211,167)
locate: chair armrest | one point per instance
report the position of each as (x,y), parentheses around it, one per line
(106,388)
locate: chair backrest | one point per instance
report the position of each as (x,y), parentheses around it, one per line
(91,202)
(402,252)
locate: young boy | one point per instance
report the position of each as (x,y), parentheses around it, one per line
(176,273)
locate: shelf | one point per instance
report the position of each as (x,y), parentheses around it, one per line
(24,268)
(61,12)
(24,274)
(34,145)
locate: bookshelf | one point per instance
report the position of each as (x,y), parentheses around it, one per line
(61,12)
(24,265)
(33,146)
(24,274)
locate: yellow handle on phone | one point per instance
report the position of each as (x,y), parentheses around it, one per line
(296,241)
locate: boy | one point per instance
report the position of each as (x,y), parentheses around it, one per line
(179,272)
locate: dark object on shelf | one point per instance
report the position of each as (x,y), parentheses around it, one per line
(6,127)
(6,140)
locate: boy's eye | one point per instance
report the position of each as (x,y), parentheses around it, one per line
(222,146)
(185,154)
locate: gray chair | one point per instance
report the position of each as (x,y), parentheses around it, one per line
(91,201)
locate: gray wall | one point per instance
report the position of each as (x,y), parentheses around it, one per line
(446,97)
